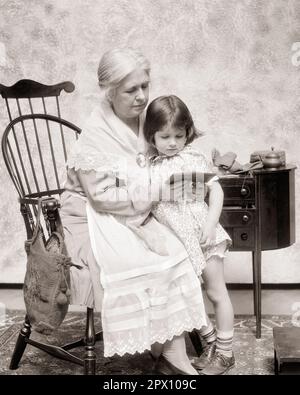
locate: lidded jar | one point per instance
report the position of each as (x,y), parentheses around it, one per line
(272,160)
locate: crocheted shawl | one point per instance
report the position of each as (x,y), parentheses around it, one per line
(106,143)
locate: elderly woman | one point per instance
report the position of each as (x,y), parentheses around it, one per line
(148,293)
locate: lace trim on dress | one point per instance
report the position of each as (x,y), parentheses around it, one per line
(98,161)
(140,339)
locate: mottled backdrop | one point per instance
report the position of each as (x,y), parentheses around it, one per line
(234,62)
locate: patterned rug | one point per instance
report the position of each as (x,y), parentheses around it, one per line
(253,356)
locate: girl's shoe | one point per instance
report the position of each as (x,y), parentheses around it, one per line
(206,356)
(218,365)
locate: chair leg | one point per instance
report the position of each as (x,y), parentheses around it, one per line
(195,339)
(90,340)
(20,345)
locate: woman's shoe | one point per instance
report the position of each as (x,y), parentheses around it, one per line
(163,366)
(154,359)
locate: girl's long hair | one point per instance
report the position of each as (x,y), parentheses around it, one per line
(165,110)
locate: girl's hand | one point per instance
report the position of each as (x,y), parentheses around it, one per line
(208,235)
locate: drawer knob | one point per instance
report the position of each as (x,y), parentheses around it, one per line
(244,236)
(245,218)
(244,191)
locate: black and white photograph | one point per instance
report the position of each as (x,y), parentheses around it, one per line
(149,199)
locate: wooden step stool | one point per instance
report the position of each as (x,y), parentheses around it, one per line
(287,350)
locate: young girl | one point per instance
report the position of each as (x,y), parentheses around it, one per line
(169,129)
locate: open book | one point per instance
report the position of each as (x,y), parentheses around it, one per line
(193,176)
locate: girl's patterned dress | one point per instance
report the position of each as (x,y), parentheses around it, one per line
(186,218)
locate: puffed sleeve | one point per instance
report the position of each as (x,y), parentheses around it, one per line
(110,194)
(207,168)
(197,161)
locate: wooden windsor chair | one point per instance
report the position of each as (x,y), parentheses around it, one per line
(35,149)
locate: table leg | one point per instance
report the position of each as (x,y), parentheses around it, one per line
(276,370)
(254,282)
(257,259)
(257,290)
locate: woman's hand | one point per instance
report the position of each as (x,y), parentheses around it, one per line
(208,235)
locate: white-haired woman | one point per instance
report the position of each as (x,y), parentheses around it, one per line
(148,294)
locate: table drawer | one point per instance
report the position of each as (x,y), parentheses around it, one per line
(237,217)
(238,190)
(240,225)
(243,239)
